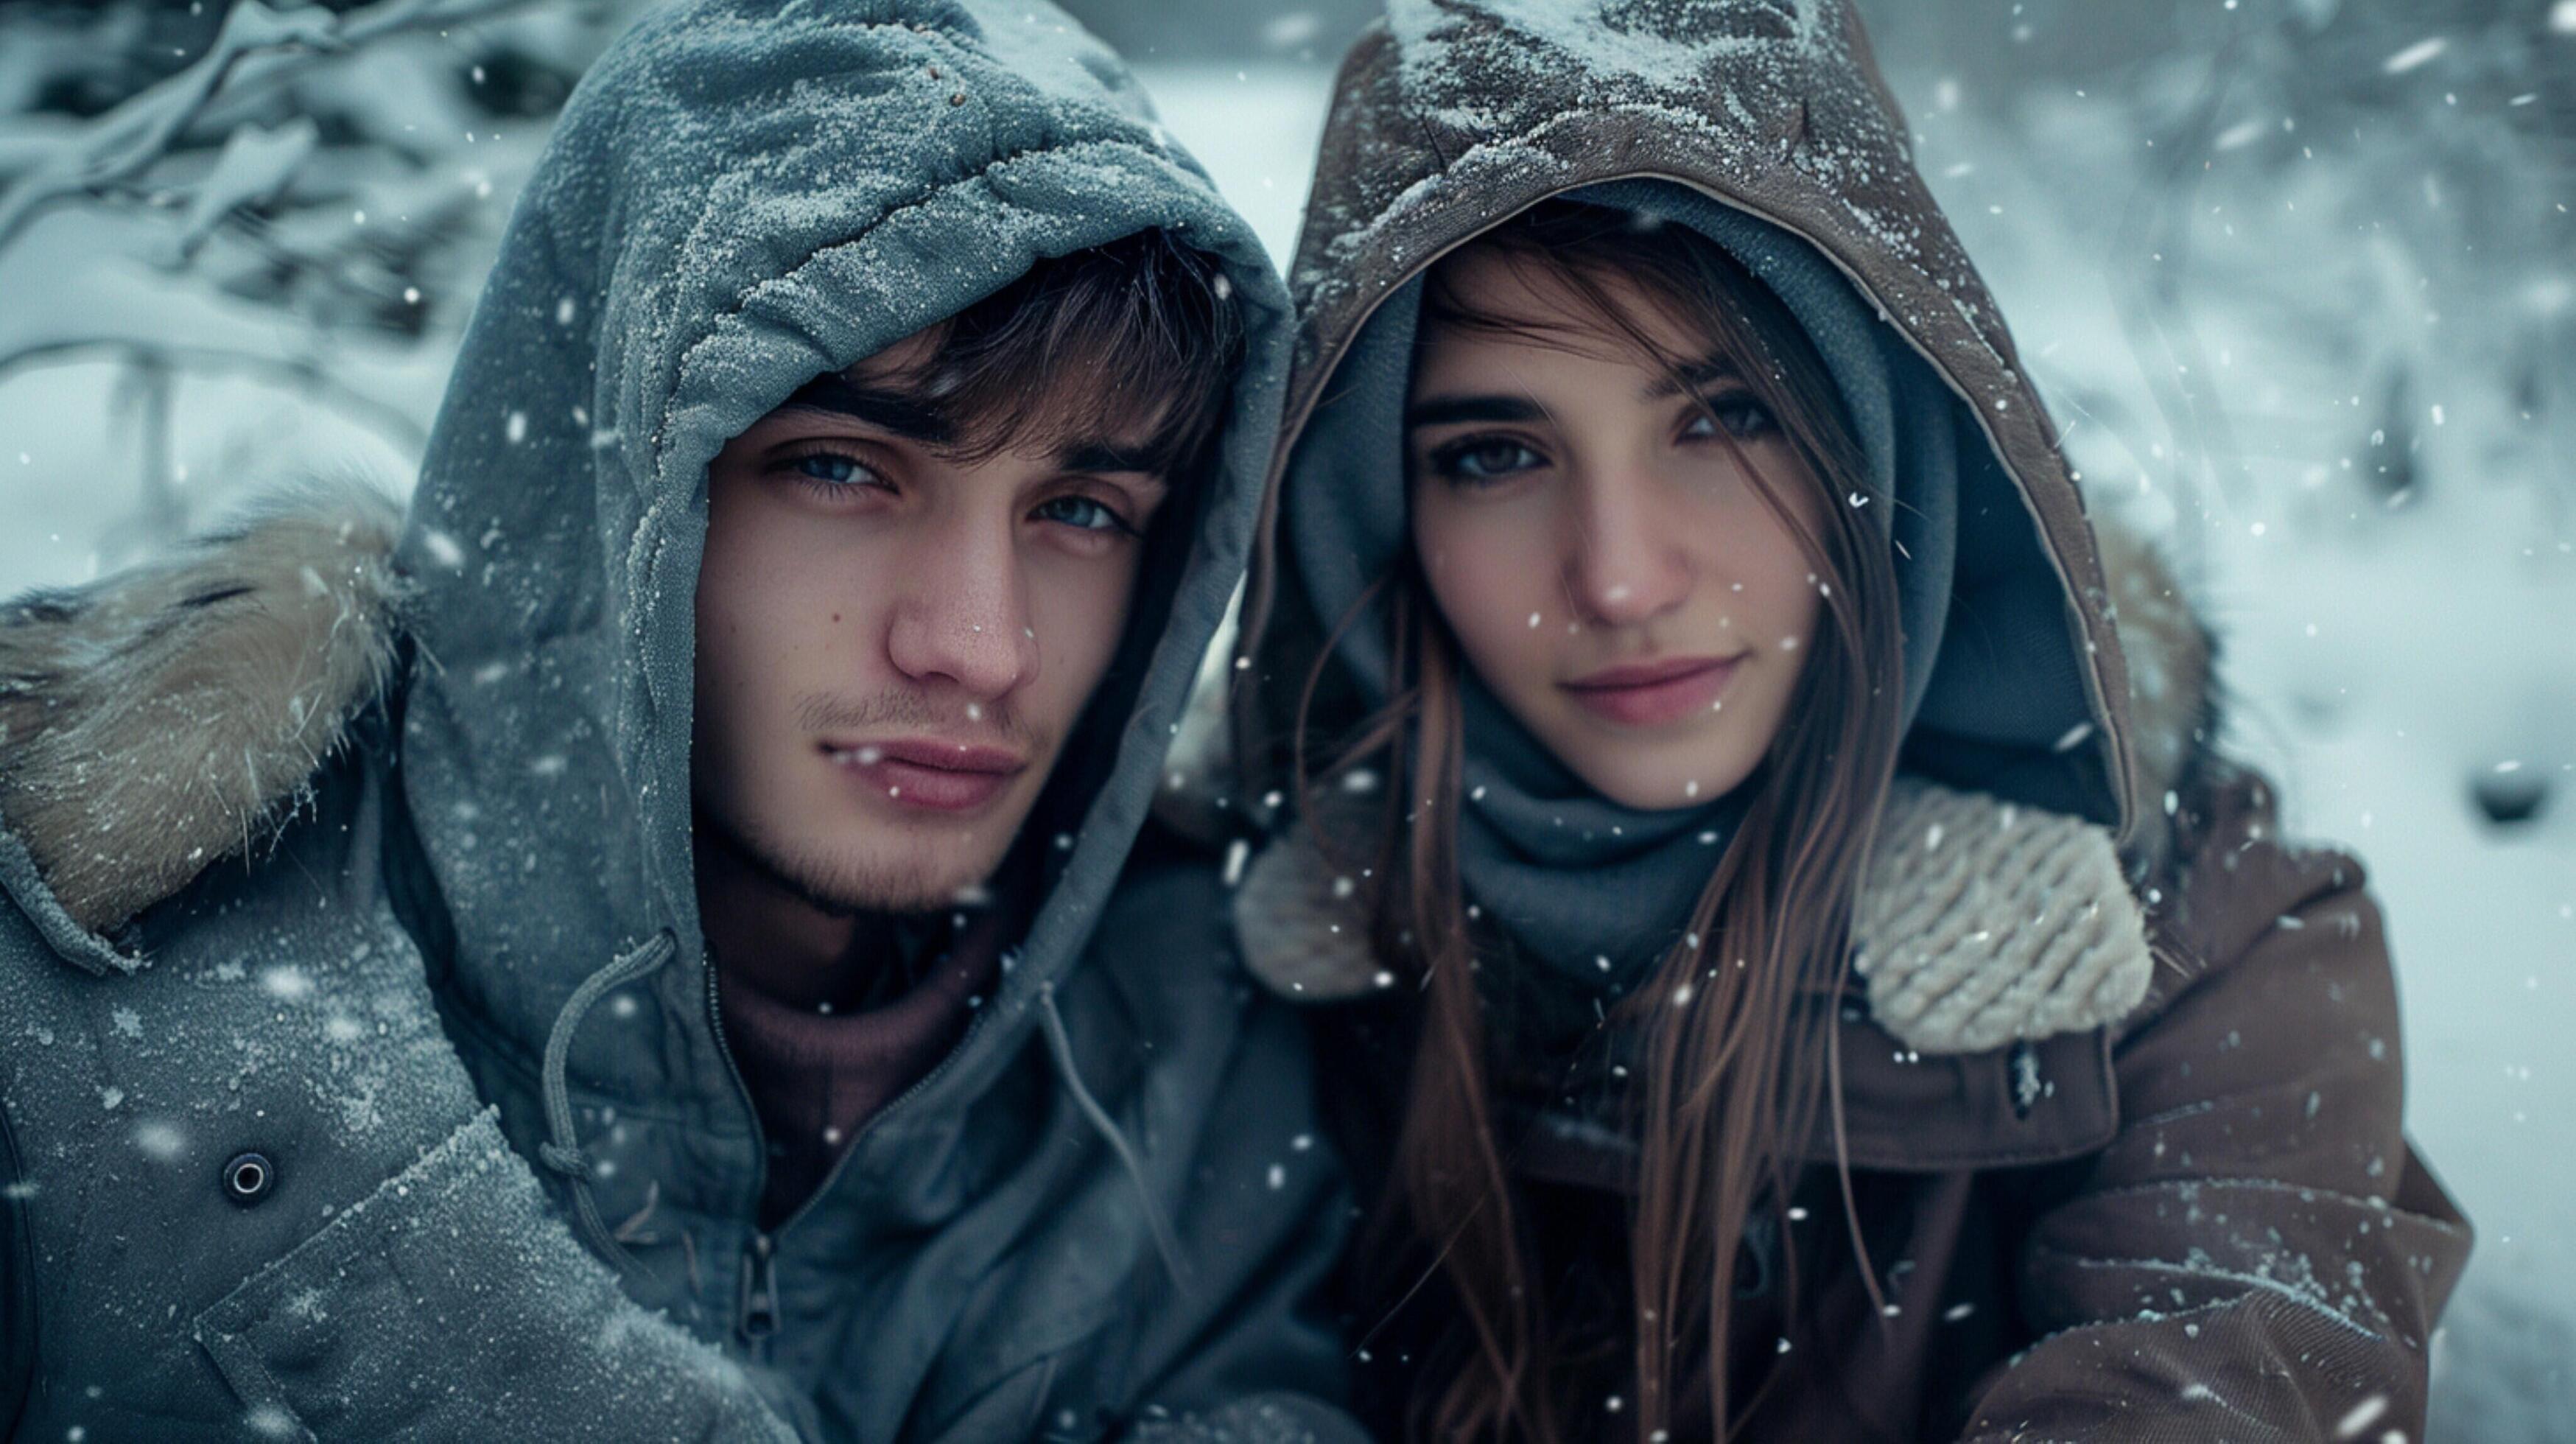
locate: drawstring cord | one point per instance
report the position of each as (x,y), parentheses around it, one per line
(562,1149)
(1060,1048)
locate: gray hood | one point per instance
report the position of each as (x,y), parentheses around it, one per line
(742,196)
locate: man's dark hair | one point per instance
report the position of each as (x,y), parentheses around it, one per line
(1143,329)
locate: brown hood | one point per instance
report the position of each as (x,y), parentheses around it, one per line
(1449,118)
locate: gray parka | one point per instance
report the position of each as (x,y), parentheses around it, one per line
(360,1072)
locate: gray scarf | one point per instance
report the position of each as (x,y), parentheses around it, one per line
(1593,889)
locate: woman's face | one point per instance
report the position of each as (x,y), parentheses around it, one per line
(1601,553)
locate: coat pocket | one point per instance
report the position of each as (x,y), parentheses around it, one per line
(336,1339)
(452,1304)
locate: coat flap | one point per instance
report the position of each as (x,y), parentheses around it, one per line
(2037,1101)
(1902,1112)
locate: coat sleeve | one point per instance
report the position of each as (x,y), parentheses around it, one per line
(2258,1254)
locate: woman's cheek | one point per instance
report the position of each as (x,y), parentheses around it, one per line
(1798,606)
(1488,596)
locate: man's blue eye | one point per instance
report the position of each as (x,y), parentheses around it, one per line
(1083,512)
(838,470)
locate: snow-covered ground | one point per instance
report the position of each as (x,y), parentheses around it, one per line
(2384,658)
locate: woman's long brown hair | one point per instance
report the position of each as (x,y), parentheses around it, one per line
(1735,1069)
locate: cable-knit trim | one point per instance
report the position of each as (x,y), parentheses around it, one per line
(1984,923)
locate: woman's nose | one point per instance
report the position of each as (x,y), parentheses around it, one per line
(1626,561)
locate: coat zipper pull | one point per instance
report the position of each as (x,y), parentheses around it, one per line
(759,1311)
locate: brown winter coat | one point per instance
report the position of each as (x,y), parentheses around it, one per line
(2187,1216)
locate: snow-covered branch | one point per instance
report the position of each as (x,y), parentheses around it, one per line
(307,374)
(257,47)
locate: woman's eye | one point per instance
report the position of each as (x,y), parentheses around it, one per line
(1084,513)
(1486,460)
(1743,417)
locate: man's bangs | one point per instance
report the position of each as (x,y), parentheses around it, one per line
(1132,346)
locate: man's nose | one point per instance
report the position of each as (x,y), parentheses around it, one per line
(964,617)
(1626,560)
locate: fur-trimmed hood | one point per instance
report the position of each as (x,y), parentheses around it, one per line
(159,720)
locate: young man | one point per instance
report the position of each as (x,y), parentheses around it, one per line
(703,837)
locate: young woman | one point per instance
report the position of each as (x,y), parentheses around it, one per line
(1791,967)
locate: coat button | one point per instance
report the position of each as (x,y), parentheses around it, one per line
(249,1178)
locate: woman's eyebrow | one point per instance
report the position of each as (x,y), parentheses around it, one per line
(1450,410)
(1693,377)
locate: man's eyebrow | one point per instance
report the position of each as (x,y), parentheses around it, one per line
(1695,376)
(892,411)
(1450,410)
(1109,459)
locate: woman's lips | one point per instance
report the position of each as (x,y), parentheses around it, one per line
(1649,694)
(928,773)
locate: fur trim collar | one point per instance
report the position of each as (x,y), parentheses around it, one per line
(163,718)
(1980,923)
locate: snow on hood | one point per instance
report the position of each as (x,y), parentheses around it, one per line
(1452,116)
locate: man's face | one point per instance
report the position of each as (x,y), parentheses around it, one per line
(894,640)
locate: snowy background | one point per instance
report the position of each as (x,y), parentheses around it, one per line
(2298,276)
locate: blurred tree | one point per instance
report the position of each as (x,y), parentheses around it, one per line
(2375,191)
(341,169)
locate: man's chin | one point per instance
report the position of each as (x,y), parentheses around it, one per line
(838,878)
(885,884)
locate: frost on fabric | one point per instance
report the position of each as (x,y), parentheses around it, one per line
(1664,44)
(2241,1228)
(1760,96)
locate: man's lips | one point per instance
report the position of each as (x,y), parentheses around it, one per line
(929,772)
(1647,694)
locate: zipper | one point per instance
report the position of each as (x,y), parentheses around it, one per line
(756,1297)
(757,1314)
(756,1318)
(18,1339)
